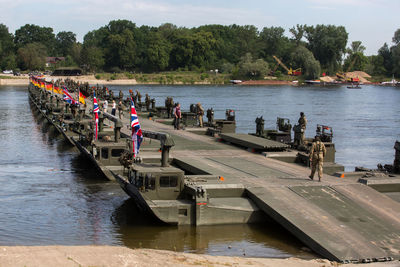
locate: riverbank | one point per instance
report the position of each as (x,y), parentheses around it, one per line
(49,256)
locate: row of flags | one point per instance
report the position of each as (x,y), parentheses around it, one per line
(49,86)
(136,135)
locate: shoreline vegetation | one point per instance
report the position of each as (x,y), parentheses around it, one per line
(163,78)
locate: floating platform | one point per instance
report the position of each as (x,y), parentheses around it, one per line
(253,142)
(339,218)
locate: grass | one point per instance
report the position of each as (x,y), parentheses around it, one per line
(170,77)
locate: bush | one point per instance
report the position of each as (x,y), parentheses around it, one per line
(204,76)
(98,77)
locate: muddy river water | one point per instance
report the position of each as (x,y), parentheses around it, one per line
(50,195)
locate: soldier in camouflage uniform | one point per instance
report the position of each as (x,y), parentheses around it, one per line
(317,154)
(303,124)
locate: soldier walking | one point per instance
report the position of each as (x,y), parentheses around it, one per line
(317,155)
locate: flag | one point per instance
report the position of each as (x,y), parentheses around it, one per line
(49,86)
(137,135)
(67,97)
(96,113)
(57,90)
(81,98)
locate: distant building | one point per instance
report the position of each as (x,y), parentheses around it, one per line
(51,61)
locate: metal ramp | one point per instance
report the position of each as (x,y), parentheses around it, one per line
(253,142)
(342,223)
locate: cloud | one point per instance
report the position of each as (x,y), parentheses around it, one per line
(345,4)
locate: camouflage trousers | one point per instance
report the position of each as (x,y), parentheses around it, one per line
(316,163)
(200,117)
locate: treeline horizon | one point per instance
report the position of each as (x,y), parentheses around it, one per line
(242,51)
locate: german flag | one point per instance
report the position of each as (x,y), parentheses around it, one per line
(57,90)
(81,98)
(49,86)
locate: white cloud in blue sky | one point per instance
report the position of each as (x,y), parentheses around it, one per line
(371,21)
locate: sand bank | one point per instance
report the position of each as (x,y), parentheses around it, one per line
(47,256)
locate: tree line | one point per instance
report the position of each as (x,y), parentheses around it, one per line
(243,51)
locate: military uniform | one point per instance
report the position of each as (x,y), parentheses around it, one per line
(317,155)
(200,114)
(303,124)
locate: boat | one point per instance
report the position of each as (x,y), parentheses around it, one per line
(393,82)
(354,86)
(236,81)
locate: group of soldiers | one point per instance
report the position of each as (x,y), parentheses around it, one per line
(317,151)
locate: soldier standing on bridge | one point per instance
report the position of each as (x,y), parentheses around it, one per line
(317,154)
(303,124)
(200,114)
(147,102)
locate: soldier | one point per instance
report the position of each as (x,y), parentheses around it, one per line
(317,154)
(303,124)
(139,96)
(121,95)
(260,126)
(200,114)
(210,116)
(147,102)
(120,109)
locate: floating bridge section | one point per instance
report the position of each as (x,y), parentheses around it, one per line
(339,219)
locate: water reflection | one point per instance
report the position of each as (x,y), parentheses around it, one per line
(266,240)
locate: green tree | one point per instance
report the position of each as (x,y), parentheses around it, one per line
(65,42)
(375,65)
(396,37)
(32,56)
(7,56)
(75,53)
(30,33)
(158,52)
(93,58)
(328,44)
(304,58)
(386,54)
(250,69)
(273,42)
(182,52)
(356,60)
(298,33)
(203,50)
(395,50)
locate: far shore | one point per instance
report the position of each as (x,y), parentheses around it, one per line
(49,256)
(91,79)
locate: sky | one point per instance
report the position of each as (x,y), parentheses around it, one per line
(373,22)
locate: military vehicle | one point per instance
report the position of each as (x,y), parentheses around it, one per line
(176,197)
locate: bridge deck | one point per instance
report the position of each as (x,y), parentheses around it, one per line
(338,218)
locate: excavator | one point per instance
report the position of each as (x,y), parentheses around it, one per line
(296,72)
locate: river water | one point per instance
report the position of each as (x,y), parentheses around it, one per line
(50,195)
